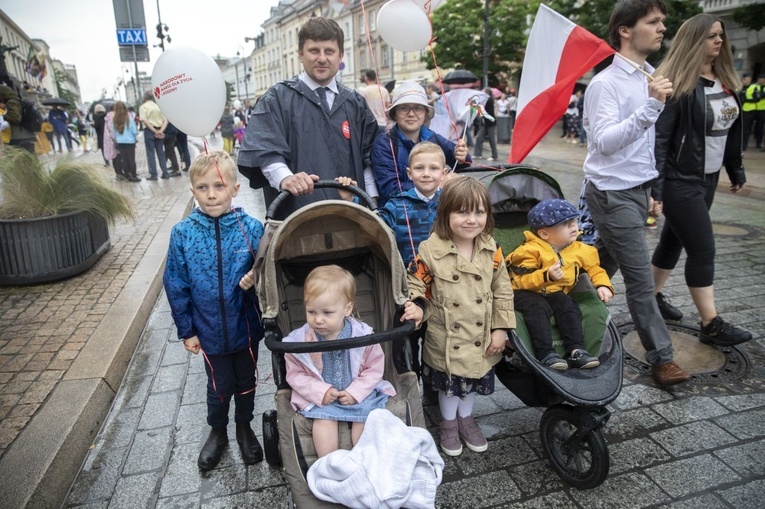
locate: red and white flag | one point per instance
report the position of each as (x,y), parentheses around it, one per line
(558,53)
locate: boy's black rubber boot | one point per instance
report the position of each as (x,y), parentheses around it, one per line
(212,451)
(248,444)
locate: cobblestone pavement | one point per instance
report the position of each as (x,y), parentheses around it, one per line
(698,444)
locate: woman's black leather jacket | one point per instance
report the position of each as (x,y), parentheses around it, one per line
(680,141)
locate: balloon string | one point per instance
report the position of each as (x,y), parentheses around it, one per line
(204,143)
(441,86)
(372,56)
(230,198)
(391,141)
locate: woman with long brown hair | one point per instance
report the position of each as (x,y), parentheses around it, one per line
(698,132)
(125,133)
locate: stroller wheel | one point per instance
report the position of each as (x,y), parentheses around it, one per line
(580,458)
(271,439)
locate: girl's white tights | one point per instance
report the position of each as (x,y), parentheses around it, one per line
(450,406)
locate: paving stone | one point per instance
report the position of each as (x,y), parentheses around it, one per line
(683,477)
(551,501)
(685,410)
(135,389)
(707,501)
(744,425)
(224,482)
(182,475)
(501,454)
(136,491)
(742,402)
(623,491)
(119,428)
(746,496)
(746,459)
(148,451)
(637,453)
(515,422)
(175,354)
(692,438)
(485,406)
(195,388)
(191,425)
(262,475)
(10,427)
(631,423)
(98,477)
(159,410)
(477,492)
(190,501)
(636,396)
(506,399)
(271,497)
(536,477)
(169,378)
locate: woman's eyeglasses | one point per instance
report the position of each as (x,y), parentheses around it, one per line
(408,108)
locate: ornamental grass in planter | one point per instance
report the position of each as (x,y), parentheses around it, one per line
(53,224)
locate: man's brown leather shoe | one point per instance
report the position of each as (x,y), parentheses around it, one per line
(669,374)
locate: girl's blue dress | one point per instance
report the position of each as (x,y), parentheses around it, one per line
(336,370)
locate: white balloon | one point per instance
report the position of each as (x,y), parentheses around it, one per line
(429,5)
(404,25)
(237,104)
(189,89)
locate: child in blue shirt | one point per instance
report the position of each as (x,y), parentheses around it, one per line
(412,213)
(414,210)
(207,274)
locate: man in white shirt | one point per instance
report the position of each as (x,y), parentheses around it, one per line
(309,127)
(377,98)
(620,109)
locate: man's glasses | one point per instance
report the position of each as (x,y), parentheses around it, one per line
(407,108)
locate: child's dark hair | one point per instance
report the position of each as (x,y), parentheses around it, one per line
(321,29)
(462,193)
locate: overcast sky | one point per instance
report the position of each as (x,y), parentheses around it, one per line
(83,32)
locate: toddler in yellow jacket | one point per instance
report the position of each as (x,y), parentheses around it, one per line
(543,270)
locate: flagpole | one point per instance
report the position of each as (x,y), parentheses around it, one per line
(636,66)
(464,133)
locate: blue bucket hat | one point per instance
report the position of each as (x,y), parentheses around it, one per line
(548,213)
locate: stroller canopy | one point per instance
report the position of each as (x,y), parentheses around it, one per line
(322,230)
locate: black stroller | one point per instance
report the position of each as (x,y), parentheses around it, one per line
(355,238)
(570,428)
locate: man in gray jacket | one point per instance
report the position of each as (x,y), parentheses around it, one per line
(309,127)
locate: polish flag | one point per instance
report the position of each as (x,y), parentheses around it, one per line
(558,53)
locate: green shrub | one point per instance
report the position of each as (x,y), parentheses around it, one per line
(29,190)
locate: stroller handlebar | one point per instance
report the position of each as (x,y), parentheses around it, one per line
(279,346)
(365,199)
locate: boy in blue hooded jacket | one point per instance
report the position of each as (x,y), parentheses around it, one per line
(207,278)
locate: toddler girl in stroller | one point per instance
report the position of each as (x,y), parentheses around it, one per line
(343,385)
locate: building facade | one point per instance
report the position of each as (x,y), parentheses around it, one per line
(26,61)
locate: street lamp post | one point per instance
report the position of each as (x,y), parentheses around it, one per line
(236,70)
(486,46)
(246,79)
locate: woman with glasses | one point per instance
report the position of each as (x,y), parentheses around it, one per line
(390,154)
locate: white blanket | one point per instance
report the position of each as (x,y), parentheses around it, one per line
(392,466)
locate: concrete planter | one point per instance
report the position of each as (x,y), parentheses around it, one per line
(47,249)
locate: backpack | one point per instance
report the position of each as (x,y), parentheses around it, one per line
(31,120)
